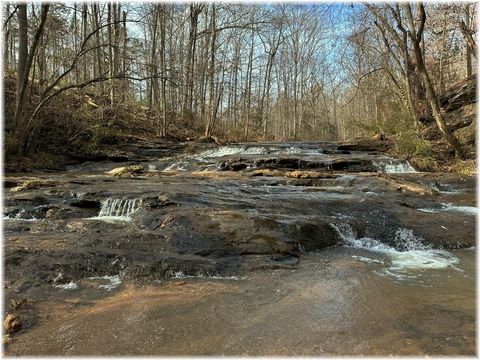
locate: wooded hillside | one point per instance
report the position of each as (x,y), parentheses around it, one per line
(239,71)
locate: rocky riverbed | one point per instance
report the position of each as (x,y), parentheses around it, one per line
(199,227)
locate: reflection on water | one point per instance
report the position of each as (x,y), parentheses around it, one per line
(335,303)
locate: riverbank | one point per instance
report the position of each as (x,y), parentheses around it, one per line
(86,132)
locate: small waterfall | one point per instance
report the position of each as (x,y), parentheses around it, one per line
(119,208)
(467,210)
(230,150)
(256,150)
(394,166)
(410,253)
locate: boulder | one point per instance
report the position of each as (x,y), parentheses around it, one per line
(315,235)
(11,323)
(126,170)
(32,184)
(301,174)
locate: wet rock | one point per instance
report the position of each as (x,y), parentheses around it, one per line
(126,170)
(267,172)
(263,244)
(166,265)
(67,212)
(148,219)
(11,324)
(8,183)
(299,174)
(16,304)
(365,145)
(301,182)
(335,152)
(286,259)
(352,165)
(39,200)
(77,226)
(7,339)
(157,201)
(316,235)
(400,184)
(282,163)
(232,166)
(32,184)
(84,203)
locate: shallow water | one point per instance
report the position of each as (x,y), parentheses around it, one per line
(335,303)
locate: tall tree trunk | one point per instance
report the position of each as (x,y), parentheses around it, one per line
(85,74)
(163,68)
(6,37)
(24,69)
(211,74)
(124,56)
(153,90)
(22,45)
(248,89)
(470,43)
(415,36)
(195,10)
(111,67)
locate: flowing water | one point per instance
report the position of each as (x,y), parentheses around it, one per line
(120,209)
(335,303)
(400,280)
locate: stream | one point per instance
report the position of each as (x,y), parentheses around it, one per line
(278,249)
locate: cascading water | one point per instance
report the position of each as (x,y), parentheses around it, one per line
(394,166)
(118,208)
(409,256)
(257,150)
(467,210)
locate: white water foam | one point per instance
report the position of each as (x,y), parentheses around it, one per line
(178,166)
(300,151)
(17,218)
(178,274)
(446,191)
(20,216)
(69,286)
(411,255)
(468,210)
(367,260)
(394,166)
(230,150)
(118,209)
(254,150)
(114,281)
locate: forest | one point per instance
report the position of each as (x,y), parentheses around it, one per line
(317,71)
